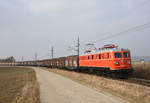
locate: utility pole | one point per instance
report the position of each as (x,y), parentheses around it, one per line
(77,49)
(22,60)
(35,58)
(78,52)
(52,51)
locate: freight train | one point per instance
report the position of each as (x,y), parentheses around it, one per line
(108,60)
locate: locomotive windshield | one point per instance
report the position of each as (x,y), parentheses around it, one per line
(126,55)
(118,55)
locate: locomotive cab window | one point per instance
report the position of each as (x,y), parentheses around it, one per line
(118,55)
(92,56)
(99,56)
(88,57)
(126,55)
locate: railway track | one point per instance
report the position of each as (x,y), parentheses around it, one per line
(143,82)
(139,81)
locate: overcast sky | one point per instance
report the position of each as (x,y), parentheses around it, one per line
(33,26)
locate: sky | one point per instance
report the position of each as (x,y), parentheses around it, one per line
(33,26)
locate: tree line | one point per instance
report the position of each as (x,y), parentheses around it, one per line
(8,59)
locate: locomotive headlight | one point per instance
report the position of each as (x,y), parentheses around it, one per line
(129,62)
(117,63)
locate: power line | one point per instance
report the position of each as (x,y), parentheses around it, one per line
(136,28)
(133,29)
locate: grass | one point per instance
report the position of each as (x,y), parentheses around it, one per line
(18,85)
(128,91)
(141,70)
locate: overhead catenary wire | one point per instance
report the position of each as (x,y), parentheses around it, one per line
(132,29)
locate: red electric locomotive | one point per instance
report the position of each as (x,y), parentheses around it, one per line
(108,60)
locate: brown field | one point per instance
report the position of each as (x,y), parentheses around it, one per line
(128,91)
(18,85)
(141,70)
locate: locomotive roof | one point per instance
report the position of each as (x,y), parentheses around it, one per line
(105,50)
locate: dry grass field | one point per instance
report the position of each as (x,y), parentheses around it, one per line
(141,70)
(18,85)
(128,91)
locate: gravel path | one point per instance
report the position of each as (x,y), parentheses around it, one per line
(58,89)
